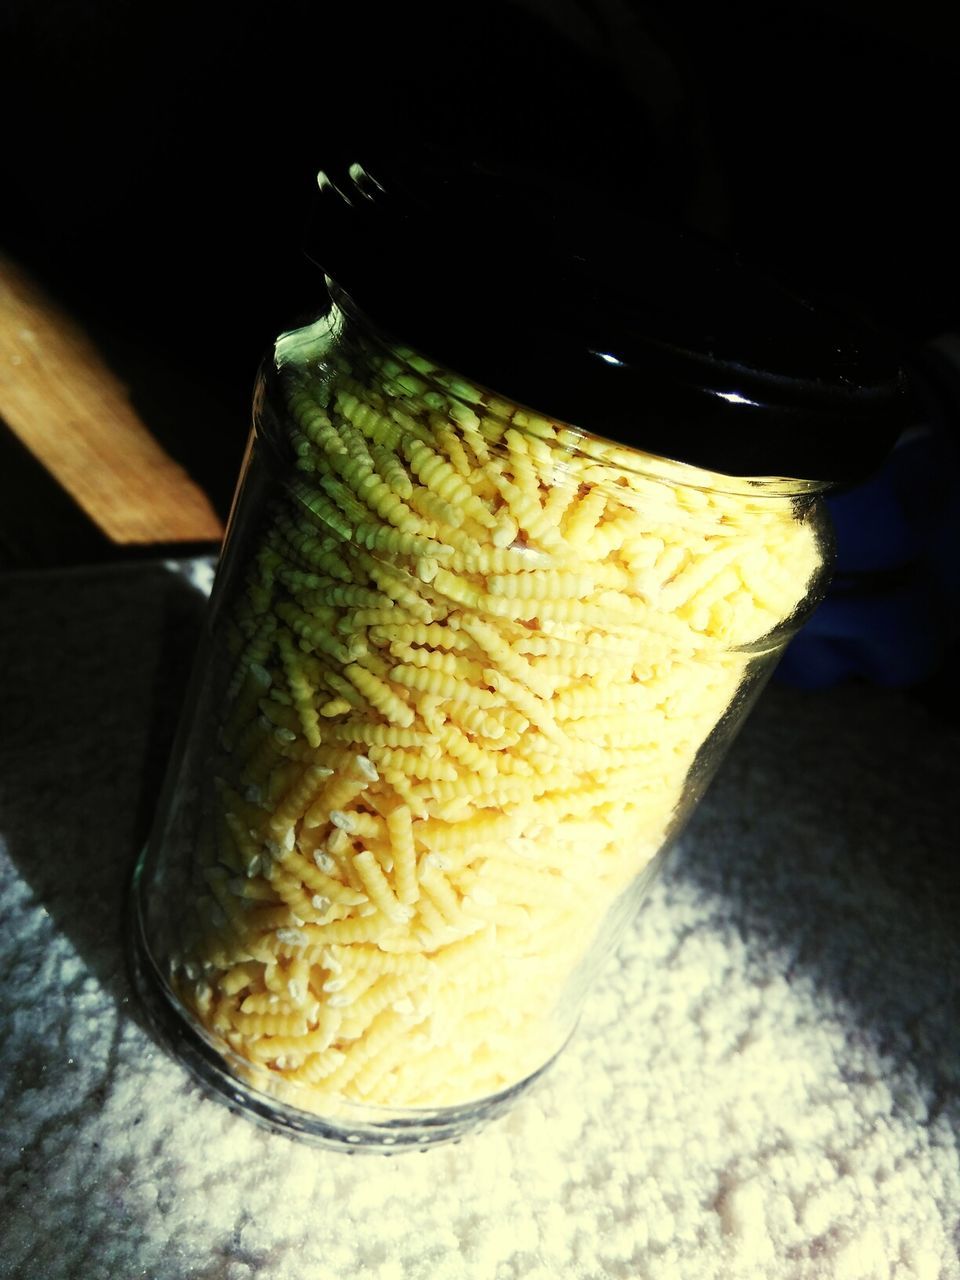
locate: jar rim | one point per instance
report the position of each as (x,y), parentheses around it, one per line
(472,394)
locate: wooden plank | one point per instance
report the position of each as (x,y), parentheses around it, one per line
(64,403)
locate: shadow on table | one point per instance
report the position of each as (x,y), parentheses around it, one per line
(830,839)
(828,836)
(96,663)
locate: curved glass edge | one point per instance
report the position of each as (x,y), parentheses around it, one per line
(373,1130)
(313,341)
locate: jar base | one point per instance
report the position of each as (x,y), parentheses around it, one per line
(374,1129)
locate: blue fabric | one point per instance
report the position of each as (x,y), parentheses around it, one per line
(891,614)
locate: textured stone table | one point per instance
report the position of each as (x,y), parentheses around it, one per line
(765,1083)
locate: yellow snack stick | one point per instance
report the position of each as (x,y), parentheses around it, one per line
(512,881)
(340,595)
(317,636)
(268,1002)
(240,977)
(368,826)
(435,635)
(507,661)
(344,988)
(504,531)
(307,906)
(392,470)
(379,695)
(256,889)
(400,831)
(374,425)
(456,588)
(247,847)
(697,574)
(608,536)
(450,444)
(454,743)
(378,888)
(345,500)
(542,584)
(381,1034)
(355,446)
(260,771)
(402,588)
(450,663)
(227,908)
(582,519)
(440,892)
(441,478)
(335,707)
(531,464)
(296,801)
(431,930)
(313,938)
(323,674)
(440,515)
(282,696)
(375,960)
(490,724)
(469,427)
(526,702)
(297,1050)
(385,501)
(381,735)
(369,1080)
(412,763)
(315,422)
(323,510)
(342,789)
(317,1067)
(301,690)
(442,685)
(538,431)
(589,698)
(491,792)
(562,494)
(399,542)
(476,832)
(254,682)
(270,1024)
(320,554)
(526,509)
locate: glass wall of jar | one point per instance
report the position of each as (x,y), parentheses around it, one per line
(466,673)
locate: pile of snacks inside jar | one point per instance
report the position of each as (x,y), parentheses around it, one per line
(475,657)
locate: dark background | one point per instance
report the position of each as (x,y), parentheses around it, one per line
(160,161)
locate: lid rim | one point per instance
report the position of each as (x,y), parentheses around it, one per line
(508,318)
(752,458)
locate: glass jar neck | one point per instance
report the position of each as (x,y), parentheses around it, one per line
(394,364)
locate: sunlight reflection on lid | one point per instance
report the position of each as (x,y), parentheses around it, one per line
(735,397)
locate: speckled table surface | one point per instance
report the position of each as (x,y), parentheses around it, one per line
(765,1083)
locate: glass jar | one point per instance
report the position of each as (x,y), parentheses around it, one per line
(466,672)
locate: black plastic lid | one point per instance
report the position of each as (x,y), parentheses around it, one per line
(552,295)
